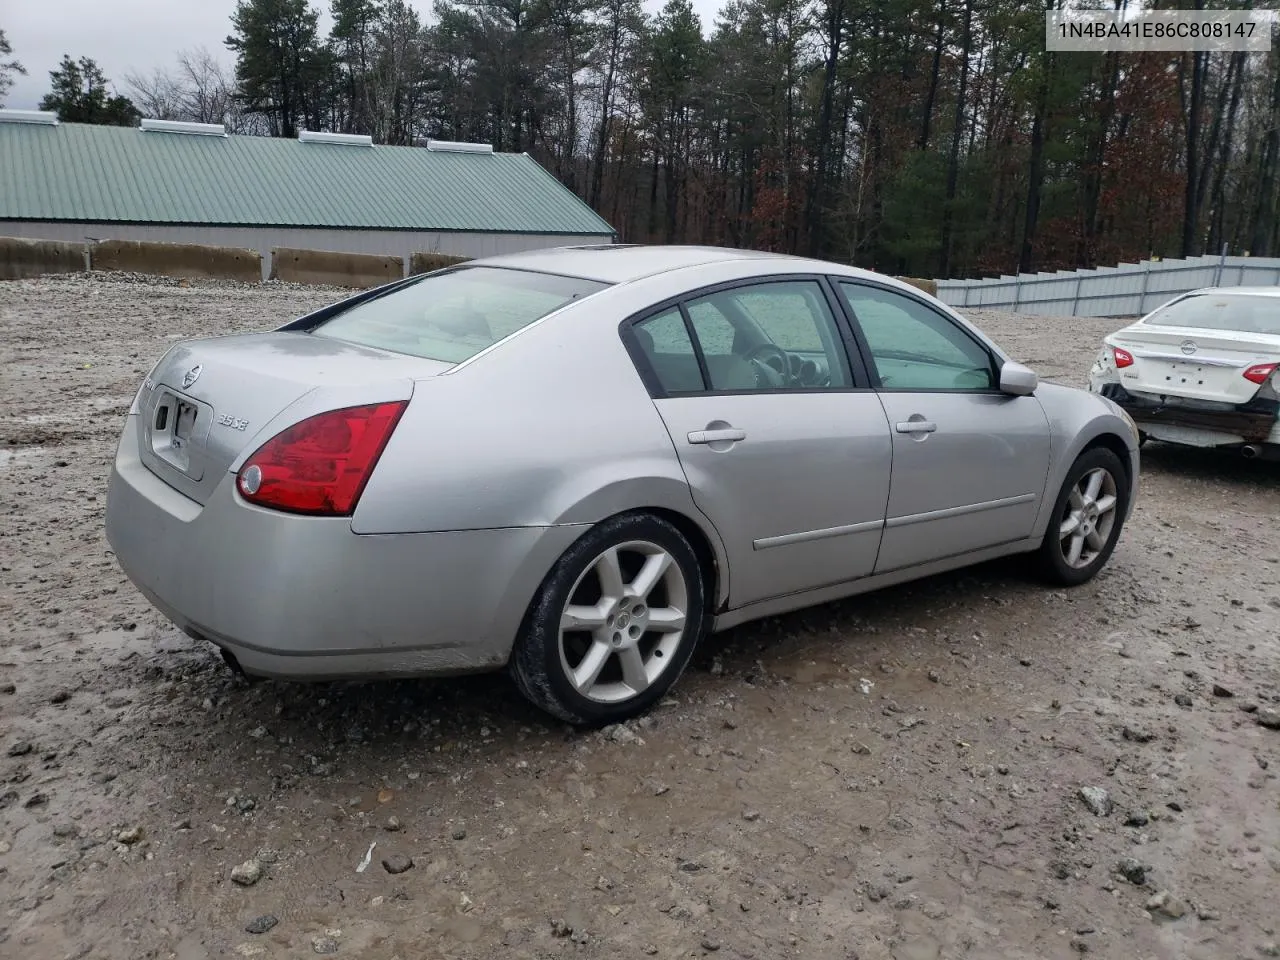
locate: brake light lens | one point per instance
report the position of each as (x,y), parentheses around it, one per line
(1123,357)
(321,465)
(1259,372)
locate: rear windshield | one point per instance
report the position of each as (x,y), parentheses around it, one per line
(453,316)
(1222,311)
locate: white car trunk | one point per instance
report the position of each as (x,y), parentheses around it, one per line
(1194,363)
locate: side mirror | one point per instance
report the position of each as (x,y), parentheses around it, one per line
(1017,380)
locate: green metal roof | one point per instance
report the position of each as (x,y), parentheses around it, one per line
(81,172)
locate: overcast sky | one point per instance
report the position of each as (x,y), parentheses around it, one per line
(139,35)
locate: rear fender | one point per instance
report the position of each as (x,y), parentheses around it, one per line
(597,495)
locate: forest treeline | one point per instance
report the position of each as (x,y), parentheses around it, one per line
(925,137)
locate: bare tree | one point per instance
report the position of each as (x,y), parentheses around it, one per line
(207,89)
(199,89)
(159,95)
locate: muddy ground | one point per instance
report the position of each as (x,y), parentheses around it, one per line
(895,776)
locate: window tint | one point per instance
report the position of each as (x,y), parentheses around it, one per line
(664,340)
(453,316)
(914,347)
(787,316)
(715,332)
(770,336)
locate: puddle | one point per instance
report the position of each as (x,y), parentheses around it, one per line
(811,671)
(15,456)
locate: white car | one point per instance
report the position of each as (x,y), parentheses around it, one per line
(1201,370)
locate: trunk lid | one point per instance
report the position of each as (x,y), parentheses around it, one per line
(209,401)
(1194,362)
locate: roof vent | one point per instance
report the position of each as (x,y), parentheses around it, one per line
(453,146)
(29,116)
(179,126)
(346,139)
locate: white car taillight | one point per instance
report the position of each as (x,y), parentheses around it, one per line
(1260,372)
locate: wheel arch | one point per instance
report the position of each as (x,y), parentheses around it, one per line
(703,548)
(1101,435)
(1115,443)
(670,499)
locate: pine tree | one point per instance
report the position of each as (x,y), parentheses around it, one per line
(281,69)
(351,40)
(79,95)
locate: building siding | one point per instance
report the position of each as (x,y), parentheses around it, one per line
(395,243)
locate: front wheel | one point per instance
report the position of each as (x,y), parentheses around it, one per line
(1087,518)
(614,623)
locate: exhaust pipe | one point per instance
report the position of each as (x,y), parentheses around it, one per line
(1249,451)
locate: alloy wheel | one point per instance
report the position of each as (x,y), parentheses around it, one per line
(624,620)
(1089,517)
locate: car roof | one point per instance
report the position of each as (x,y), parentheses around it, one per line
(1237,291)
(621,263)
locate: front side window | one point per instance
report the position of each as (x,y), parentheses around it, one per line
(914,347)
(1222,311)
(453,316)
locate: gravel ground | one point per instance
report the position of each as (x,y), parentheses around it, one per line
(899,776)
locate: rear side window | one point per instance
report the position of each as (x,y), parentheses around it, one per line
(664,339)
(453,316)
(1222,311)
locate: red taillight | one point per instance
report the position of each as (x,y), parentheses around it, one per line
(320,466)
(1259,372)
(1123,357)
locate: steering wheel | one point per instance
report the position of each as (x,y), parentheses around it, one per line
(775,376)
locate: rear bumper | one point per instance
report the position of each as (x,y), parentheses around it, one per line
(1202,424)
(305,598)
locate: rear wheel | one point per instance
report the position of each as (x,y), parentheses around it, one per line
(614,624)
(1087,518)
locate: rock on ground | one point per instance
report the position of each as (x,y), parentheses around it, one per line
(247,874)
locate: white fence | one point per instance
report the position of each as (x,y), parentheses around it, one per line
(1128,290)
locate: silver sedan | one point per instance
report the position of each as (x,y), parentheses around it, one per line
(576,463)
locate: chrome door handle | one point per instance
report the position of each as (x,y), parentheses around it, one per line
(713,436)
(916,426)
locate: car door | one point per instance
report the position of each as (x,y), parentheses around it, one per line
(785,452)
(969,462)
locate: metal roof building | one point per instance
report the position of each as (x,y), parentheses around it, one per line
(193,183)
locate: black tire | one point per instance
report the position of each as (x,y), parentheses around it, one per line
(537,664)
(1052,559)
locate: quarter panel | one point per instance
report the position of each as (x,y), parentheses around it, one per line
(509,445)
